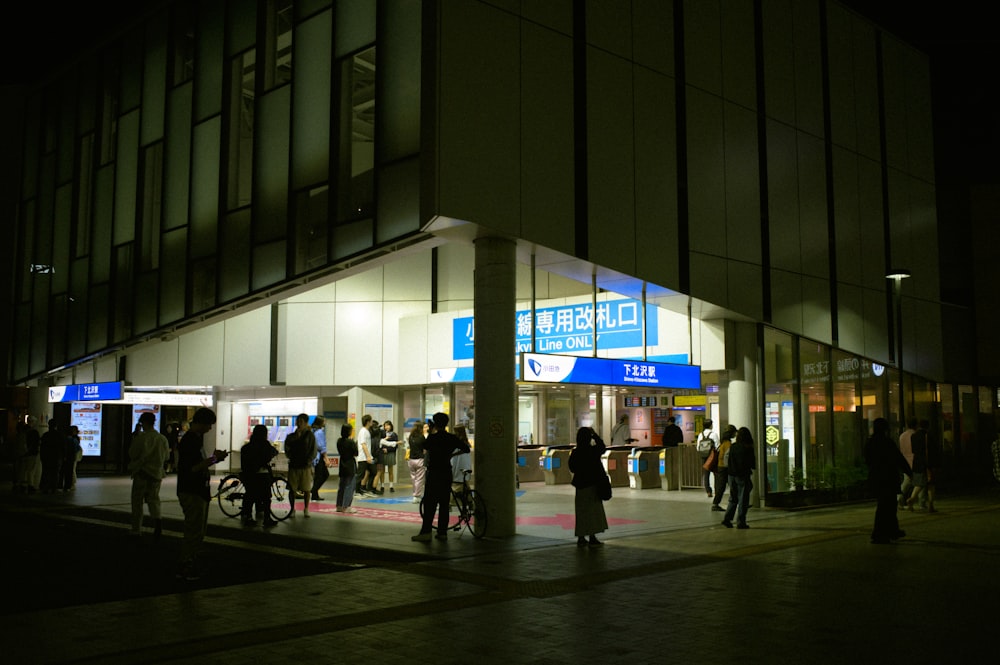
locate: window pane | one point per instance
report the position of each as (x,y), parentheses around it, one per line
(234,271)
(152,205)
(354,25)
(784,451)
(279,43)
(815,410)
(208,81)
(311,103)
(183,43)
(241,119)
(271,167)
(848,458)
(311,238)
(356,154)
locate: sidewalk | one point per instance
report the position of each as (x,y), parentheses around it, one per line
(670,581)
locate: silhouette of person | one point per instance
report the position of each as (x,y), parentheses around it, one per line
(885,464)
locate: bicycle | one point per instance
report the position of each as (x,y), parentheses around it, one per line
(232,491)
(471,509)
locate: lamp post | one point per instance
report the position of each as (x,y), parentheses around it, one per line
(897,275)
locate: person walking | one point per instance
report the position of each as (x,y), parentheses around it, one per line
(415,459)
(587,469)
(742,462)
(885,464)
(707,442)
(300,448)
(918,465)
(147,456)
(255,458)
(722,467)
(193,492)
(347,448)
(439,448)
(320,471)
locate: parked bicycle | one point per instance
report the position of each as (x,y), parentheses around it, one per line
(232,491)
(471,509)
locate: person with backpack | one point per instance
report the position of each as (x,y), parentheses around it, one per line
(708,441)
(722,467)
(741,464)
(300,448)
(255,457)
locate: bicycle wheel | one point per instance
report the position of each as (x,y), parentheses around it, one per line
(281,506)
(452,524)
(477,519)
(231,493)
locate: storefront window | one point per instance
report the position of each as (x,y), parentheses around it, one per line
(815,408)
(465,409)
(874,394)
(848,465)
(784,449)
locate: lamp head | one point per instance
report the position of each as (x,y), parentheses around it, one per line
(897,273)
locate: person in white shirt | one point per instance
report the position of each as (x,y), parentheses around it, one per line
(366,461)
(147,457)
(621,434)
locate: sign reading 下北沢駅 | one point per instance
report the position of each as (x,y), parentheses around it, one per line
(570,328)
(541,368)
(86,392)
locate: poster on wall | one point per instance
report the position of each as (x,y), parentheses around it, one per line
(86,416)
(139,409)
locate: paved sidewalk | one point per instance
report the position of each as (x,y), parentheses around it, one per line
(670,585)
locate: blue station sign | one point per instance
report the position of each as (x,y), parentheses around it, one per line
(87,392)
(544,368)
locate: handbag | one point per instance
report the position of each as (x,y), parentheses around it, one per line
(604,487)
(712,463)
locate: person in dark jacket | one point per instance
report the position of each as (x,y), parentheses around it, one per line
(255,457)
(585,464)
(742,463)
(885,464)
(439,448)
(672,434)
(347,448)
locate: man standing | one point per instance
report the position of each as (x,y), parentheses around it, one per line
(193,492)
(300,448)
(147,456)
(51,448)
(621,435)
(366,461)
(438,449)
(906,447)
(742,463)
(320,471)
(672,434)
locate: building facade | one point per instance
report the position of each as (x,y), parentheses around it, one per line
(306,199)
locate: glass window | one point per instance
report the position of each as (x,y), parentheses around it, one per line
(183,43)
(109,108)
(241,125)
(465,409)
(310,211)
(848,467)
(356,143)
(815,413)
(874,395)
(82,232)
(123,294)
(784,450)
(278,43)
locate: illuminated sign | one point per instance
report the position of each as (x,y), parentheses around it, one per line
(541,368)
(690,400)
(86,392)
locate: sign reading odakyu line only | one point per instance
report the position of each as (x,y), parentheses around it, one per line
(570,328)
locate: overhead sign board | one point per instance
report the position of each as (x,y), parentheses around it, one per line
(543,368)
(86,392)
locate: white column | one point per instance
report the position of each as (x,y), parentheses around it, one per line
(742,395)
(495,386)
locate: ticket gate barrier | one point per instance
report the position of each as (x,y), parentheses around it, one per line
(530,464)
(670,478)
(644,468)
(555,465)
(615,460)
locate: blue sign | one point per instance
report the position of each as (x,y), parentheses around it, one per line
(539,368)
(87,392)
(570,328)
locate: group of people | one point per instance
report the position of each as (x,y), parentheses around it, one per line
(46,462)
(730,460)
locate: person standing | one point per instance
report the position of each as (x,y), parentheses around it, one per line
(672,434)
(377,467)
(906,448)
(439,448)
(722,469)
(193,492)
(147,457)
(73,455)
(918,465)
(415,459)
(389,445)
(366,461)
(885,463)
(742,462)
(708,441)
(588,471)
(320,470)
(933,464)
(347,448)
(300,448)
(51,449)
(621,434)
(255,458)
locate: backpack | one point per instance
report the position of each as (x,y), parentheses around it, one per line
(705,443)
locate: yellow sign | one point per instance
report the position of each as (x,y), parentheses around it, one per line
(689,400)
(772,435)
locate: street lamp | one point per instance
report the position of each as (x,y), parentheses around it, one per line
(897,275)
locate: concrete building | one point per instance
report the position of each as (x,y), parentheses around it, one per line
(298,205)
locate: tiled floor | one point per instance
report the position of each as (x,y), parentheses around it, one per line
(670,585)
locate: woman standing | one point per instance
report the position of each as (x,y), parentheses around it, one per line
(347,448)
(585,464)
(415,460)
(885,463)
(389,444)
